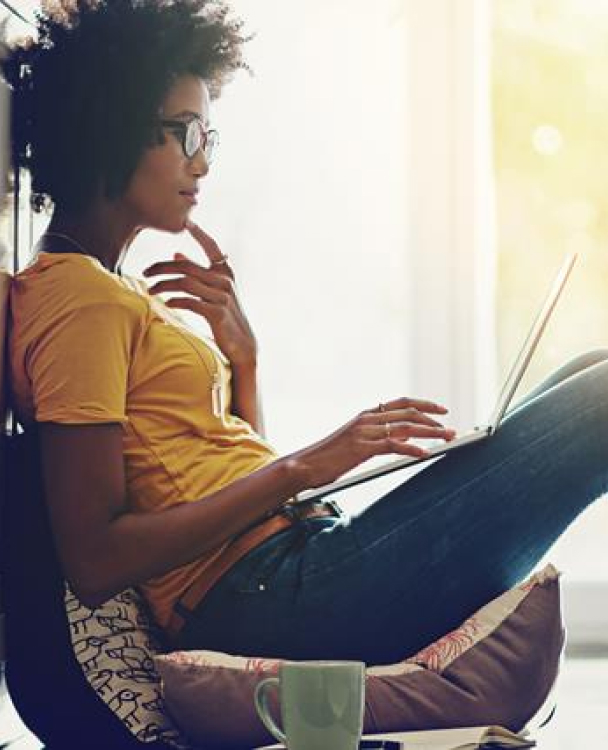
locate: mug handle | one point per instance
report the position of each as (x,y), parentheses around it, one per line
(261,705)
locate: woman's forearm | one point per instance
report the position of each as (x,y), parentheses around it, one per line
(246,401)
(138,546)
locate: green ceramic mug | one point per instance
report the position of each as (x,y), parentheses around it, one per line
(322,704)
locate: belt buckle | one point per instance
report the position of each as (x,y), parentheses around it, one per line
(336,510)
(294,511)
(291,511)
(335,507)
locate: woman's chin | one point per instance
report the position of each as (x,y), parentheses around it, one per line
(173,225)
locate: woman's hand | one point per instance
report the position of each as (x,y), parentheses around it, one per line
(213,295)
(386,429)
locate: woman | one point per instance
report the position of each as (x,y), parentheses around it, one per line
(155,470)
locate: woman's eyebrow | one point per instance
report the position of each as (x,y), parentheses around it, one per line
(190,113)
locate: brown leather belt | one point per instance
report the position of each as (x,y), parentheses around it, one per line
(247,540)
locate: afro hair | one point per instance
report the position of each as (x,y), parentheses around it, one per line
(85,95)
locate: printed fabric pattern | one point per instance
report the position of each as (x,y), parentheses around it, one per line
(114,645)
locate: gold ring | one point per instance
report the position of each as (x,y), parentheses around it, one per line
(221,262)
(387,429)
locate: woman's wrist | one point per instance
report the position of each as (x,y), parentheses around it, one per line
(245,396)
(246,358)
(246,364)
(298,472)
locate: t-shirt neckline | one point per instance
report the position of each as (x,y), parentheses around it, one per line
(46,254)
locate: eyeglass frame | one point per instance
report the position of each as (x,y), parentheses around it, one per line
(207,136)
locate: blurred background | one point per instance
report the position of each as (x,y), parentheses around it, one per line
(396,186)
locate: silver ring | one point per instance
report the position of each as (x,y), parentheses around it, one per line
(222,262)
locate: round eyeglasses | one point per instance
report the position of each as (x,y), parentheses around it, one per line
(193,136)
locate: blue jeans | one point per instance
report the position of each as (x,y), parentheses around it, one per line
(380,585)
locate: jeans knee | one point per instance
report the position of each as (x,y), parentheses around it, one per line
(589,359)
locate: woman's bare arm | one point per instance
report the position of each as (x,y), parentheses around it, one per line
(105,547)
(246,402)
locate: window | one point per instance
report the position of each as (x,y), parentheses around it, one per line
(550,93)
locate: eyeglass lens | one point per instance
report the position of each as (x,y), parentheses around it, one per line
(196,137)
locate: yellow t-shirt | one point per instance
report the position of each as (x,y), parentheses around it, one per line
(87,345)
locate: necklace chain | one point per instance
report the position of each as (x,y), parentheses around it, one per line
(69,239)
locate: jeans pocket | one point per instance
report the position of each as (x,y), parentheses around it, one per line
(257,572)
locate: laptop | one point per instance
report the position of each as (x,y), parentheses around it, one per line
(516,373)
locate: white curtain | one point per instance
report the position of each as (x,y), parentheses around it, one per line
(451,245)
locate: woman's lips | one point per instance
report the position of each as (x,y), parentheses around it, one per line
(190,197)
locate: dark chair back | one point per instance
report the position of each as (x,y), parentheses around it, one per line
(45,681)
(5,282)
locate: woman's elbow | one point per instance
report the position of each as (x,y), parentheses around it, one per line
(89,594)
(92,585)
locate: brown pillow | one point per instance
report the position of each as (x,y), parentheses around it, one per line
(498,667)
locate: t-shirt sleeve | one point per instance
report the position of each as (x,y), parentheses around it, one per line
(79,367)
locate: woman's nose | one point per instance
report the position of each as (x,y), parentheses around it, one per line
(199,164)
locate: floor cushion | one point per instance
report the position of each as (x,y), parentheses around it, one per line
(498,667)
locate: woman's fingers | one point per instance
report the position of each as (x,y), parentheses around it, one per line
(406,431)
(378,440)
(210,248)
(209,245)
(390,415)
(197,287)
(409,430)
(373,448)
(406,403)
(206,309)
(189,268)
(404,415)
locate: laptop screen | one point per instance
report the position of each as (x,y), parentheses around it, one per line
(525,355)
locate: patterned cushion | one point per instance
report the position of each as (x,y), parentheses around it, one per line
(114,645)
(498,667)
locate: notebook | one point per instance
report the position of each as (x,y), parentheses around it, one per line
(461,738)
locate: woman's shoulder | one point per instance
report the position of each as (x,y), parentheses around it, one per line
(64,280)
